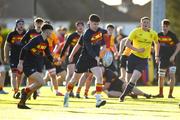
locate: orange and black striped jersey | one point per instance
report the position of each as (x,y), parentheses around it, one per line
(14,39)
(70,42)
(35,49)
(167,43)
(32,53)
(168,40)
(92,41)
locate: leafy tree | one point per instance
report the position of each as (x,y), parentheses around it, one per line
(172,13)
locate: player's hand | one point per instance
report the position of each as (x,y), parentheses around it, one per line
(140,50)
(172,58)
(98,60)
(6,61)
(157,59)
(20,66)
(70,58)
(116,55)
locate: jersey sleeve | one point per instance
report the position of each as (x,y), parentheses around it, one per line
(27,47)
(68,41)
(132,35)
(155,38)
(175,39)
(48,53)
(9,37)
(80,41)
(104,32)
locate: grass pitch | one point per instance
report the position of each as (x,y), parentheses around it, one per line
(50,107)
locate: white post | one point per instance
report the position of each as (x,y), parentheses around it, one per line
(157,13)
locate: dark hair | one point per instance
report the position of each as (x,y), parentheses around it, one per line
(145,18)
(38,20)
(110,26)
(18,21)
(46,27)
(79,22)
(94,18)
(165,22)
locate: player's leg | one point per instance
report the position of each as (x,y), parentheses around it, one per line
(81,83)
(114,94)
(52,74)
(61,77)
(46,77)
(172,71)
(81,67)
(14,83)
(70,86)
(123,68)
(161,77)
(88,84)
(135,76)
(97,72)
(137,91)
(2,80)
(70,71)
(26,92)
(136,65)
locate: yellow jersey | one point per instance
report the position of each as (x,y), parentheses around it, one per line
(1,40)
(142,39)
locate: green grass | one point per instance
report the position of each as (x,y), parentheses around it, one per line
(50,107)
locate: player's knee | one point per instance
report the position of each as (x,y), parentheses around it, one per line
(52,72)
(99,79)
(172,69)
(162,72)
(13,75)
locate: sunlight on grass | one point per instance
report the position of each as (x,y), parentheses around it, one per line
(50,107)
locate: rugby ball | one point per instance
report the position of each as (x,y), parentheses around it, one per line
(107,59)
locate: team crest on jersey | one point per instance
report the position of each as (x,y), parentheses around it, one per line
(39,49)
(16,39)
(74,41)
(166,40)
(96,37)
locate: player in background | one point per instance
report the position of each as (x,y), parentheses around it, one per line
(12,50)
(169,48)
(71,41)
(2,67)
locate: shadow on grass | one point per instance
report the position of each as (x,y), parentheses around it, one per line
(103,113)
(161,101)
(14,102)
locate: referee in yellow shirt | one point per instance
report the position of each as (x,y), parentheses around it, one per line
(142,38)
